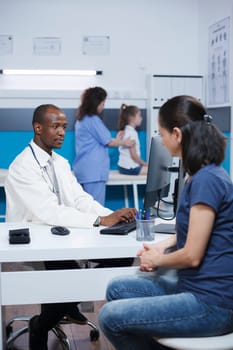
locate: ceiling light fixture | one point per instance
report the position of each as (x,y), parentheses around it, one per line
(59,72)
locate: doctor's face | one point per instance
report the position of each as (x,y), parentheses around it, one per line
(50,132)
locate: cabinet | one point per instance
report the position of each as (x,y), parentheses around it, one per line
(160,89)
(163,87)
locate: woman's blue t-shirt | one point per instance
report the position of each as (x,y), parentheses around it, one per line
(212,281)
(92,162)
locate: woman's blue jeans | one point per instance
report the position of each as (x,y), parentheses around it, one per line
(156,309)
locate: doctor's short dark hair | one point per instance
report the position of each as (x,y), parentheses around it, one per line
(202,142)
(41,111)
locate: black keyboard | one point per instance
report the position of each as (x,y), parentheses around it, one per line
(122,228)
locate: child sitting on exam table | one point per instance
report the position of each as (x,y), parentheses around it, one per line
(130,162)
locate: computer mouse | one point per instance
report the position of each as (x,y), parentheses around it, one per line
(60,230)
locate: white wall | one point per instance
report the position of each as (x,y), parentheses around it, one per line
(147,36)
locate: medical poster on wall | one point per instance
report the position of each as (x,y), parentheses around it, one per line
(219,63)
(6,44)
(47,46)
(96,45)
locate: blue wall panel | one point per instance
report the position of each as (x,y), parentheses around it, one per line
(226,163)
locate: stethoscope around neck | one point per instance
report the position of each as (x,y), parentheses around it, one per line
(44,171)
(35,157)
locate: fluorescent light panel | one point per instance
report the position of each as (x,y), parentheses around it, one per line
(63,72)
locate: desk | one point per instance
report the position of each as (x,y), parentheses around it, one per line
(117,179)
(33,287)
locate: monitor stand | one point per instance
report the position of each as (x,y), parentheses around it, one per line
(167,228)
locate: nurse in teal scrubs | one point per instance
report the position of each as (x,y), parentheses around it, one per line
(92,139)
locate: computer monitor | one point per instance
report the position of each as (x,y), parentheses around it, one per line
(159,184)
(158,176)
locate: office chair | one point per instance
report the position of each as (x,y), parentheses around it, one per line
(221,342)
(11,335)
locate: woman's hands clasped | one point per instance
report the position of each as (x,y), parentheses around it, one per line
(151,254)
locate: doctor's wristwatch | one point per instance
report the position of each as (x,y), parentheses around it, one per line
(97,222)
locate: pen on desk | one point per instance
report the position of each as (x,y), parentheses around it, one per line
(148,215)
(145,214)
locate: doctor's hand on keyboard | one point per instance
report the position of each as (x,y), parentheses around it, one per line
(120,215)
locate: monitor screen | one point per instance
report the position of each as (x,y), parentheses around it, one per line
(158,176)
(160,183)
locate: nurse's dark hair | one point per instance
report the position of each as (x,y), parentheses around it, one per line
(41,111)
(90,100)
(202,142)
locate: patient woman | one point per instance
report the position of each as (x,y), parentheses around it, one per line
(199,302)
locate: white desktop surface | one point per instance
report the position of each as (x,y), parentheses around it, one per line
(32,287)
(79,244)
